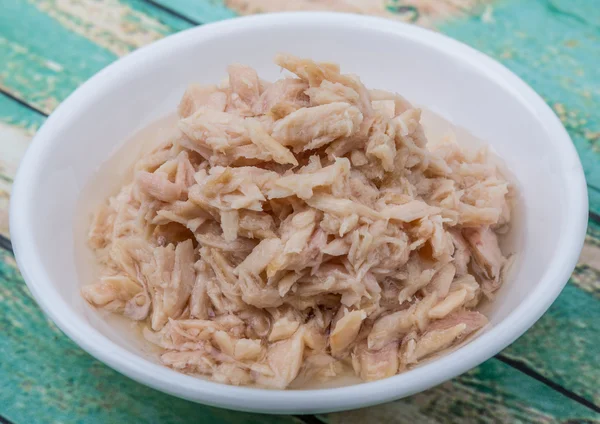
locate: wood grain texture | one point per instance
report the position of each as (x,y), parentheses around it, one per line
(563,345)
(201,12)
(76,43)
(426,13)
(491,393)
(39,70)
(554,45)
(587,273)
(77,386)
(45,377)
(17,126)
(119,26)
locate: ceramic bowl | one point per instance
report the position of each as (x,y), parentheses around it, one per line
(464,86)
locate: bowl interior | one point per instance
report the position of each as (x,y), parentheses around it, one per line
(441,75)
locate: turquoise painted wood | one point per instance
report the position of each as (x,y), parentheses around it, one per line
(490,393)
(42,72)
(553,45)
(563,345)
(19,116)
(201,12)
(45,377)
(17,125)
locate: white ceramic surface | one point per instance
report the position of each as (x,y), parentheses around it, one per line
(459,83)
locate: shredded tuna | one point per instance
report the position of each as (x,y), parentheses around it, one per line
(301,229)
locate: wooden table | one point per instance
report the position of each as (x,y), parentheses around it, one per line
(551,374)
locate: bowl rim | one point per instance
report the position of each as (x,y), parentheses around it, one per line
(314,400)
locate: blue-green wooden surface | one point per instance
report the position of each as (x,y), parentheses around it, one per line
(551,374)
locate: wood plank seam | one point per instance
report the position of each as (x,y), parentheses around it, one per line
(6,244)
(308,419)
(525,369)
(173,12)
(594,216)
(5,420)
(23,102)
(555,9)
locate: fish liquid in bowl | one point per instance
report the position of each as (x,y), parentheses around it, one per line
(298,231)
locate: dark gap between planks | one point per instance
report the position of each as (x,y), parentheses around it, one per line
(308,419)
(5,420)
(525,369)
(6,244)
(311,419)
(23,102)
(173,12)
(594,217)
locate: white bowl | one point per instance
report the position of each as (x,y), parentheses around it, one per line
(459,83)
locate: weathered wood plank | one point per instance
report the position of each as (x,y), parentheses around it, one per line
(44,377)
(17,125)
(41,71)
(563,345)
(553,46)
(18,115)
(199,11)
(566,93)
(15,141)
(491,393)
(120,26)
(421,12)
(77,43)
(587,273)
